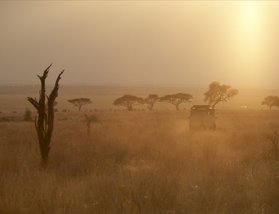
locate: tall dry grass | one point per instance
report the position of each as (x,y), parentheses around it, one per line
(142,162)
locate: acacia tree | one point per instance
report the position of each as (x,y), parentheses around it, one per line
(45,119)
(128,101)
(151,100)
(219,93)
(176,99)
(271,101)
(79,102)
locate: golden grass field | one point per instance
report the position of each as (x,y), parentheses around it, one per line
(142,162)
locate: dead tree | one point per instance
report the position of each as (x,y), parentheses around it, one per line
(45,118)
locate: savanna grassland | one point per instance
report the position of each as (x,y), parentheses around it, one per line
(143,162)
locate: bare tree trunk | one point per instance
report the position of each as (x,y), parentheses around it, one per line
(150,106)
(130,107)
(89,120)
(216,102)
(213,106)
(45,119)
(88,127)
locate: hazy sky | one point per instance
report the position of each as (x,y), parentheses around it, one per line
(141,42)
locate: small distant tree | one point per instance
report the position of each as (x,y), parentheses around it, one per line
(79,102)
(128,101)
(27,115)
(45,119)
(176,99)
(89,119)
(271,101)
(219,93)
(151,100)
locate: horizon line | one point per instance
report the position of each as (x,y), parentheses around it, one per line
(131,85)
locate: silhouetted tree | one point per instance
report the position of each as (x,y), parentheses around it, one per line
(128,101)
(271,101)
(79,102)
(219,93)
(45,119)
(27,115)
(90,119)
(176,99)
(151,100)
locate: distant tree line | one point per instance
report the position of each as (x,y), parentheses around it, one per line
(215,94)
(129,101)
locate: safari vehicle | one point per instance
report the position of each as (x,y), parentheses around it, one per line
(202,117)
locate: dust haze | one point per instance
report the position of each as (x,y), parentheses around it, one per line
(139,107)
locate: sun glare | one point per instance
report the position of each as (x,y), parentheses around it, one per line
(249,40)
(250,17)
(250,23)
